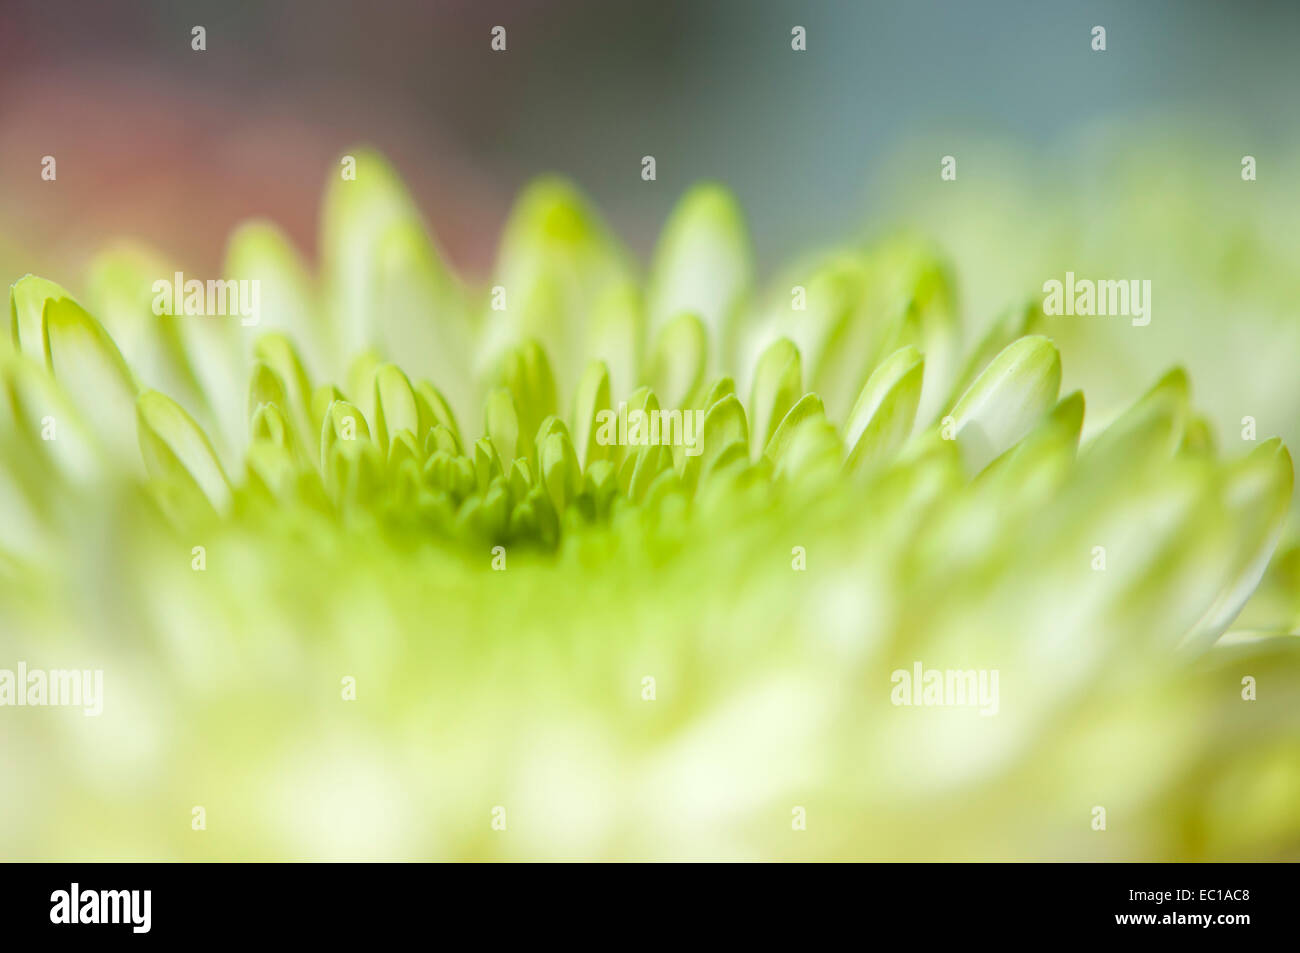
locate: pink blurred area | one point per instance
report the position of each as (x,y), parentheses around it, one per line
(179,168)
(159,143)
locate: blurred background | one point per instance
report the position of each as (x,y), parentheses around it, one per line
(1124,163)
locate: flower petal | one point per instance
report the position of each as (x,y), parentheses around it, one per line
(1013,393)
(703,264)
(89,368)
(778,383)
(176,450)
(882,418)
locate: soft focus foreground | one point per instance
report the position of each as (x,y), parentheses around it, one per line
(623,652)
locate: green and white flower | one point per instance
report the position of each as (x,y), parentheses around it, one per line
(630,651)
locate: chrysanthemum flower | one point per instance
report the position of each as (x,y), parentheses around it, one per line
(367,581)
